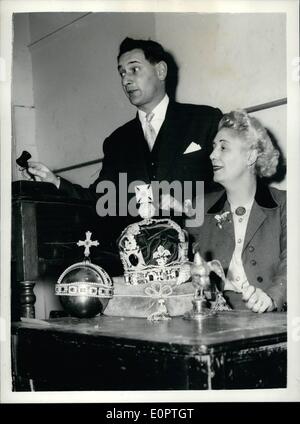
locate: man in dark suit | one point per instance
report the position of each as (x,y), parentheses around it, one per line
(166,141)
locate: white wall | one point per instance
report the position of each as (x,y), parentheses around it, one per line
(230,61)
(78,96)
(43,24)
(23,112)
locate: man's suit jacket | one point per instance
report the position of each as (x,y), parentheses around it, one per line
(126,151)
(264,249)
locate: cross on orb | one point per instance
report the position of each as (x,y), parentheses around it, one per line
(87,243)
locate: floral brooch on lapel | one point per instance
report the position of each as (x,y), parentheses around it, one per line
(222,218)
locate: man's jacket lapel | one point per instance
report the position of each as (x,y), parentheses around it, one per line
(170,142)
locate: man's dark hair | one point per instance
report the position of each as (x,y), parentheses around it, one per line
(153,51)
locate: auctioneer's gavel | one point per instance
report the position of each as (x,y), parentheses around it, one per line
(22,161)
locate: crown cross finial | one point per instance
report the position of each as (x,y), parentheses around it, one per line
(87,243)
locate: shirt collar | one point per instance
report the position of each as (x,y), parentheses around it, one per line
(159,111)
(263,198)
(247,205)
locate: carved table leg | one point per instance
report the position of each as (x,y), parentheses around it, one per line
(27,299)
(25,251)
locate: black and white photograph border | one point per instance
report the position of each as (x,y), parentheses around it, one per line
(215,41)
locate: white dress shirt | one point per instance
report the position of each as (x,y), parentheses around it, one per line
(159,115)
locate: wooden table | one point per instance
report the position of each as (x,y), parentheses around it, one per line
(231,350)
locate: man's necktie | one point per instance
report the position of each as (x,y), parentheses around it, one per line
(150,134)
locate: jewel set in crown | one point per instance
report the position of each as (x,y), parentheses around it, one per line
(153,250)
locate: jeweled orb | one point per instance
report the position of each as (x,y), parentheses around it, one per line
(84,290)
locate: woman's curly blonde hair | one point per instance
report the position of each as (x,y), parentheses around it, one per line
(257,137)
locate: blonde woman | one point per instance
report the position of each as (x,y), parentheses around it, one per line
(245,224)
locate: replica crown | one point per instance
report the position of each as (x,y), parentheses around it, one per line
(153,250)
